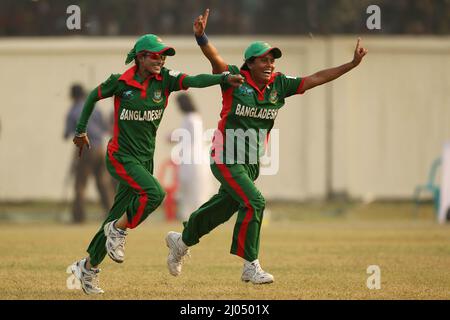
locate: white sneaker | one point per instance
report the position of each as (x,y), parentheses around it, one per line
(255,274)
(88,278)
(115,242)
(177,251)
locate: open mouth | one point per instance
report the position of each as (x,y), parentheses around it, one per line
(267,72)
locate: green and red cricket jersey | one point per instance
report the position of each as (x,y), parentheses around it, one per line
(251,110)
(138,109)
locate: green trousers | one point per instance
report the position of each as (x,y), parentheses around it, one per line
(138,194)
(237,193)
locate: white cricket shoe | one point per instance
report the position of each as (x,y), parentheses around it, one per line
(88,278)
(255,274)
(177,251)
(115,242)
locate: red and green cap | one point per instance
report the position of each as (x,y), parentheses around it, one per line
(151,43)
(260,48)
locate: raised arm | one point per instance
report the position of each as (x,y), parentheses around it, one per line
(210,52)
(328,75)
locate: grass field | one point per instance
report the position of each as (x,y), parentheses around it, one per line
(314,252)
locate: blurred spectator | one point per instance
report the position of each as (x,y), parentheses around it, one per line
(92,161)
(194,178)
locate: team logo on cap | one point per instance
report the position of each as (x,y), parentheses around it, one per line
(273,96)
(157,96)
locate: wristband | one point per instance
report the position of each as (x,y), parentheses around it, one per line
(225,76)
(202,40)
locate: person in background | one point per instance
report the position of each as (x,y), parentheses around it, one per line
(194,178)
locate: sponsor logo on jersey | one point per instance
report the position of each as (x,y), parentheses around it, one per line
(253,112)
(140,115)
(273,96)
(157,96)
(174,73)
(246,91)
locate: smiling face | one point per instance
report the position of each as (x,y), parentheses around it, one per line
(261,68)
(151,62)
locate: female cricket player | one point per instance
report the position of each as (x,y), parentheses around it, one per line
(140,98)
(252,106)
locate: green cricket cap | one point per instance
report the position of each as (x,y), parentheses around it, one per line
(151,43)
(261,48)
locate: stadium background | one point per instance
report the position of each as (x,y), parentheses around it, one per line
(351,152)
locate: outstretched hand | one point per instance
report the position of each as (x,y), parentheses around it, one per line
(235,80)
(200,23)
(80,141)
(360,52)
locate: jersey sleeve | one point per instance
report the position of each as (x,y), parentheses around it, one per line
(174,80)
(104,90)
(202,80)
(291,85)
(232,70)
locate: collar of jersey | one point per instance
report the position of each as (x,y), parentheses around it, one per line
(249,79)
(128,77)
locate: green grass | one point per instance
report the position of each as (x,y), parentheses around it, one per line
(314,251)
